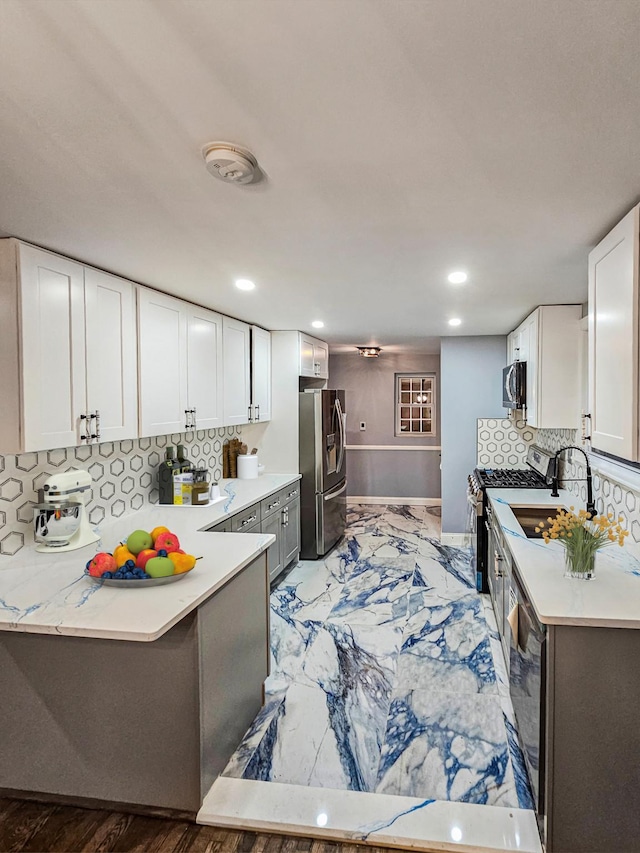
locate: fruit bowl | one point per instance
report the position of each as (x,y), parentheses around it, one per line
(136,582)
(143,559)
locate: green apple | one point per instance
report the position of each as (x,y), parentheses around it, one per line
(159,567)
(139,541)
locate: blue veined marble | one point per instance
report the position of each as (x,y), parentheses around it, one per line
(257,738)
(362,518)
(455,561)
(366,831)
(447,747)
(446,647)
(229,490)
(376,592)
(523,789)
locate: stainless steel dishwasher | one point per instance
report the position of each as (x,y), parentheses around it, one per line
(527,686)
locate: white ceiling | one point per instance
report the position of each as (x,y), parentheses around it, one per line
(401,140)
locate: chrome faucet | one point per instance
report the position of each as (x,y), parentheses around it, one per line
(591,507)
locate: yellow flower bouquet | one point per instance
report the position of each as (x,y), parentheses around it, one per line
(582,536)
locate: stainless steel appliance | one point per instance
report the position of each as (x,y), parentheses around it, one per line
(536,476)
(527,686)
(514,385)
(323,465)
(60,518)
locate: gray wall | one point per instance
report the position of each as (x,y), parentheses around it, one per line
(370,396)
(471,379)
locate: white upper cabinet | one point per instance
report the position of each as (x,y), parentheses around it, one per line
(52,346)
(68,352)
(260,374)
(112,376)
(548,340)
(314,357)
(162,343)
(613,340)
(205,395)
(236,340)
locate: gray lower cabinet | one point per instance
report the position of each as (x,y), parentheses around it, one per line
(278,514)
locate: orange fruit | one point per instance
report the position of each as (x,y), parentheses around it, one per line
(157,531)
(182,562)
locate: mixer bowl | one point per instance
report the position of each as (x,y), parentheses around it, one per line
(56,523)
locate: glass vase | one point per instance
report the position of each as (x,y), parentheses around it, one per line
(579,566)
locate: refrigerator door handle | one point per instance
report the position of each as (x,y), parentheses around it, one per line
(342,436)
(333,495)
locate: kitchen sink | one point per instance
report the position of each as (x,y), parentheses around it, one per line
(529,517)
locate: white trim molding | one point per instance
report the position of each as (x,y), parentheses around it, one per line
(392,447)
(390,499)
(456,540)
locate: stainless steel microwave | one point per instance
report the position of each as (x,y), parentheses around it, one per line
(514,385)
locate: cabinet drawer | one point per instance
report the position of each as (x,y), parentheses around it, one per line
(221,527)
(290,493)
(243,520)
(272,504)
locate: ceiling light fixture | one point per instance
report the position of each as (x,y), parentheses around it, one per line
(455,321)
(245,284)
(369,352)
(318,324)
(458,277)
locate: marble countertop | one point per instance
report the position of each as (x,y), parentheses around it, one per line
(48,593)
(609,600)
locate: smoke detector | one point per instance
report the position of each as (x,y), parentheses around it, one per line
(231,163)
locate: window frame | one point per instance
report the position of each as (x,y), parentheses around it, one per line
(399,405)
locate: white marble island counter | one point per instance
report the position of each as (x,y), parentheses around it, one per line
(135,696)
(48,593)
(609,600)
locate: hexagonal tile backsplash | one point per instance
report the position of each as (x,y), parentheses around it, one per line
(124,477)
(503,443)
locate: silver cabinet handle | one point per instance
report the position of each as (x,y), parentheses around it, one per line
(189,419)
(249,520)
(274,504)
(97,426)
(257,411)
(249,414)
(86,434)
(292,494)
(193,420)
(285,517)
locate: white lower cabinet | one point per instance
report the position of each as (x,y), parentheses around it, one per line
(67,346)
(236,338)
(613,340)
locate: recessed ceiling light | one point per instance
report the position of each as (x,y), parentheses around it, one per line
(458,277)
(455,321)
(318,324)
(245,284)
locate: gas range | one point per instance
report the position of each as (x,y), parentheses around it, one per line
(509,478)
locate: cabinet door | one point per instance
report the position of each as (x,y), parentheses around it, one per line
(260,374)
(529,348)
(321,360)
(273,524)
(306,356)
(204,367)
(162,341)
(613,340)
(236,356)
(52,350)
(112,374)
(290,531)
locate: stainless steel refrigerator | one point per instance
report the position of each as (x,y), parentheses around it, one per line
(323,465)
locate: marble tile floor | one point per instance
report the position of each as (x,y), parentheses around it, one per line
(387,673)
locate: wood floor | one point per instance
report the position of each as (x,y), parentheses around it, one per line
(39,828)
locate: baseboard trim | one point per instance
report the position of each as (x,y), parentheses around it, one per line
(456,540)
(367,499)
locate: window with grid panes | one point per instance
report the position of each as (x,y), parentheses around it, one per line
(415,404)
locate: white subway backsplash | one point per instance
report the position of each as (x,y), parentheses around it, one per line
(125,477)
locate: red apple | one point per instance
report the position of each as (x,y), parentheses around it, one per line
(101,563)
(143,556)
(167,542)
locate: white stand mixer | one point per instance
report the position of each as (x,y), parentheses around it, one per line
(60,519)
